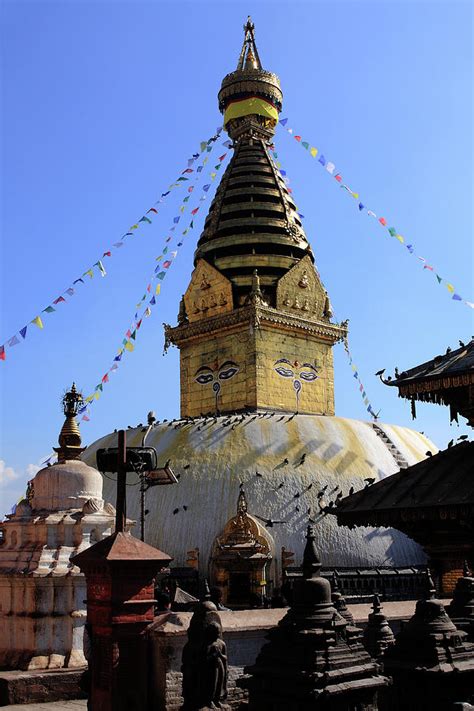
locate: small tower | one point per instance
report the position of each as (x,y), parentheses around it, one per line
(254,327)
(431,662)
(42,594)
(461,608)
(339,601)
(311,661)
(377,635)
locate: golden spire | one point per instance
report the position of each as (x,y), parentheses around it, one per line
(249,58)
(70,436)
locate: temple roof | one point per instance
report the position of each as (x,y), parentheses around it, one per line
(445,479)
(452,363)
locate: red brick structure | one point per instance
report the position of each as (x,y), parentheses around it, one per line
(120,573)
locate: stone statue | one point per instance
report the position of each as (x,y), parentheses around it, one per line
(204,660)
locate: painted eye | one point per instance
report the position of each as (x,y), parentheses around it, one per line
(309,377)
(204,378)
(284,372)
(227,374)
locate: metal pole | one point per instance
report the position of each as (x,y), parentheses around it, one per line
(121,504)
(142,505)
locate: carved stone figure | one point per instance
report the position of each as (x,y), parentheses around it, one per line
(204,283)
(204,660)
(304,282)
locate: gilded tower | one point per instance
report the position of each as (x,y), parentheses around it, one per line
(254,326)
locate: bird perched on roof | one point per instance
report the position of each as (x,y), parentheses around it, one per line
(351,491)
(380,372)
(450,443)
(463,437)
(463,345)
(429,454)
(369,480)
(269,522)
(397,373)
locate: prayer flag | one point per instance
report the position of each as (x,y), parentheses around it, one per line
(450,288)
(105,379)
(330,167)
(427,266)
(400,238)
(152,209)
(129,346)
(114,367)
(305,144)
(145,219)
(161,275)
(133,227)
(410,248)
(298,138)
(213,175)
(38,322)
(2,353)
(193,212)
(134,334)
(361,206)
(89,398)
(203,146)
(199,169)
(284,121)
(147,312)
(338,177)
(152,302)
(191,188)
(101,267)
(372,214)
(456,297)
(89,272)
(176,220)
(206,188)
(383,221)
(322,160)
(166,264)
(69,291)
(23,331)
(118,357)
(313,151)
(116,244)
(221,158)
(439,279)
(392,231)
(188,170)
(13,341)
(139,324)
(58,300)
(49,310)
(227,144)
(81,280)
(99,387)
(86,418)
(96,396)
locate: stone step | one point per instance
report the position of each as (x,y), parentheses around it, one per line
(27,687)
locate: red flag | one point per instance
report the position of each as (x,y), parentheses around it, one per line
(148,288)
(107,254)
(290,190)
(338,177)
(129,333)
(222,157)
(383,221)
(188,170)
(139,324)
(190,189)
(105,379)
(298,138)
(58,300)
(2,353)
(193,212)
(152,209)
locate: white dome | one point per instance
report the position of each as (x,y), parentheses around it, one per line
(68,485)
(212,459)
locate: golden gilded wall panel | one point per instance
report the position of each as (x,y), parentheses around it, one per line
(300,291)
(208,294)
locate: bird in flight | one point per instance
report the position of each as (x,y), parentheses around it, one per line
(269,522)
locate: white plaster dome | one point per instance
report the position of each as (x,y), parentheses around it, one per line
(66,485)
(211,458)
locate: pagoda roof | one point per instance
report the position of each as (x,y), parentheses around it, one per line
(443,480)
(452,363)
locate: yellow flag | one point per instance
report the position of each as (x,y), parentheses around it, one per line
(181,209)
(400,238)
(355,195)
(89,398)
(96,395)
(38,322)
(89,272)
(213,175)
(129,346)
(314,152)
(134,227)
(158,258)
(450,288)
(158,288)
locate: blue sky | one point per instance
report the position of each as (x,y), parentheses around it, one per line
(103,102)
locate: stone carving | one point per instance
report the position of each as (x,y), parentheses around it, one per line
(301,278)
(208,294)
(304,282)
(204,660)
(378,635)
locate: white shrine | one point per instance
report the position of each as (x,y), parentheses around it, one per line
(42,595)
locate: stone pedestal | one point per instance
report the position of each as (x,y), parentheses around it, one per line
(120,573)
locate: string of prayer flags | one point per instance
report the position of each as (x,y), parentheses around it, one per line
(393,232)
(205,145)
(160,272)
(374,415)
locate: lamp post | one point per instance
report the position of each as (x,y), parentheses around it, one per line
(143,461)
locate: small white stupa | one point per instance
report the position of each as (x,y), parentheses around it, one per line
(42,595)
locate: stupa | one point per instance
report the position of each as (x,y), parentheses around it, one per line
(42,594)
(255,333)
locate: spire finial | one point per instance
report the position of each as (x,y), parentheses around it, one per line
(70,436)
(249,58)
(311,562)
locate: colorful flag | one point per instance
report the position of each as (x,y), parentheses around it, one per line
(166,264)
(322,160)
(145,219)
(13,341)
(196,210)
(58,300)
(152,209)
(330,167)
(284,121)
(313,151)
(38,322)
(176,220)
(383,221)
(48,310)
(23,331)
